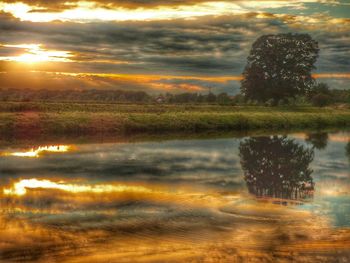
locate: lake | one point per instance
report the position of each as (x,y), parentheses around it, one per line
(245,199)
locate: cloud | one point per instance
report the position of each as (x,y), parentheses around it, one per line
(59,5)
(130,10)
(63,4)
(214,46)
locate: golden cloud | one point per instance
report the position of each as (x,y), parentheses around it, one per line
(135,10)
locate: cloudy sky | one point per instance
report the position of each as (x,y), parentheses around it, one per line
(159,46)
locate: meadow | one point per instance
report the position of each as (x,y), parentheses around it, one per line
(24,119)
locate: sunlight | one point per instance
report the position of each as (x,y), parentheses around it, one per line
(34,153)
(35,53)
(20,188)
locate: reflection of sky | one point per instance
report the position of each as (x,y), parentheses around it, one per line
(205,162)
(187,190)
(332,177)
(200,164)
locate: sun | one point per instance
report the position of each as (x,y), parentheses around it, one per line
(35,53)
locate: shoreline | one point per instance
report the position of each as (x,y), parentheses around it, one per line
(46,140)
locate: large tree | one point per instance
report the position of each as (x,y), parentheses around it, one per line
(279,67)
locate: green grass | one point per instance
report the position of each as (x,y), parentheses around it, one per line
(33,119)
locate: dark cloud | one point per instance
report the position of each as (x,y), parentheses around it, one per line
(334,51)
(215,46)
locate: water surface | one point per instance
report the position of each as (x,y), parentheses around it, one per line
(256,199)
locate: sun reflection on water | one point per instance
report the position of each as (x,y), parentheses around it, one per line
(37,152)
(20,188)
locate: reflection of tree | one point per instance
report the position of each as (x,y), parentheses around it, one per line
(277,167)
(318,140)
(347,149)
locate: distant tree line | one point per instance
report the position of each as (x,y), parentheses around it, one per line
(108,96)
(320,95)
(111,96)
(209,98)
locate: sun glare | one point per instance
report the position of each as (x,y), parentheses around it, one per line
(34,53)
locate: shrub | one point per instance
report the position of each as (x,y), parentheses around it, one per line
(321,100)
(270,102)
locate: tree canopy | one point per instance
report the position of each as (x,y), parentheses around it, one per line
(279,66)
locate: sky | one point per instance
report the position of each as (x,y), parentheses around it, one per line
(159,46)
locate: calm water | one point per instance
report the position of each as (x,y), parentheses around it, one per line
(254,199)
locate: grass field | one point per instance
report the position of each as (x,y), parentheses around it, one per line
(36,119)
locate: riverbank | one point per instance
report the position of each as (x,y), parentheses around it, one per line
(39,119)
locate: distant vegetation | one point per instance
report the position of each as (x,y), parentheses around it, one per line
(320,95)
(111,96)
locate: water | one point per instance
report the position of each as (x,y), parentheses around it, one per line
(255,199)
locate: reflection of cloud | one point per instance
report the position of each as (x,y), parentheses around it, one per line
(188,197)
(193,228)
(202,162)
